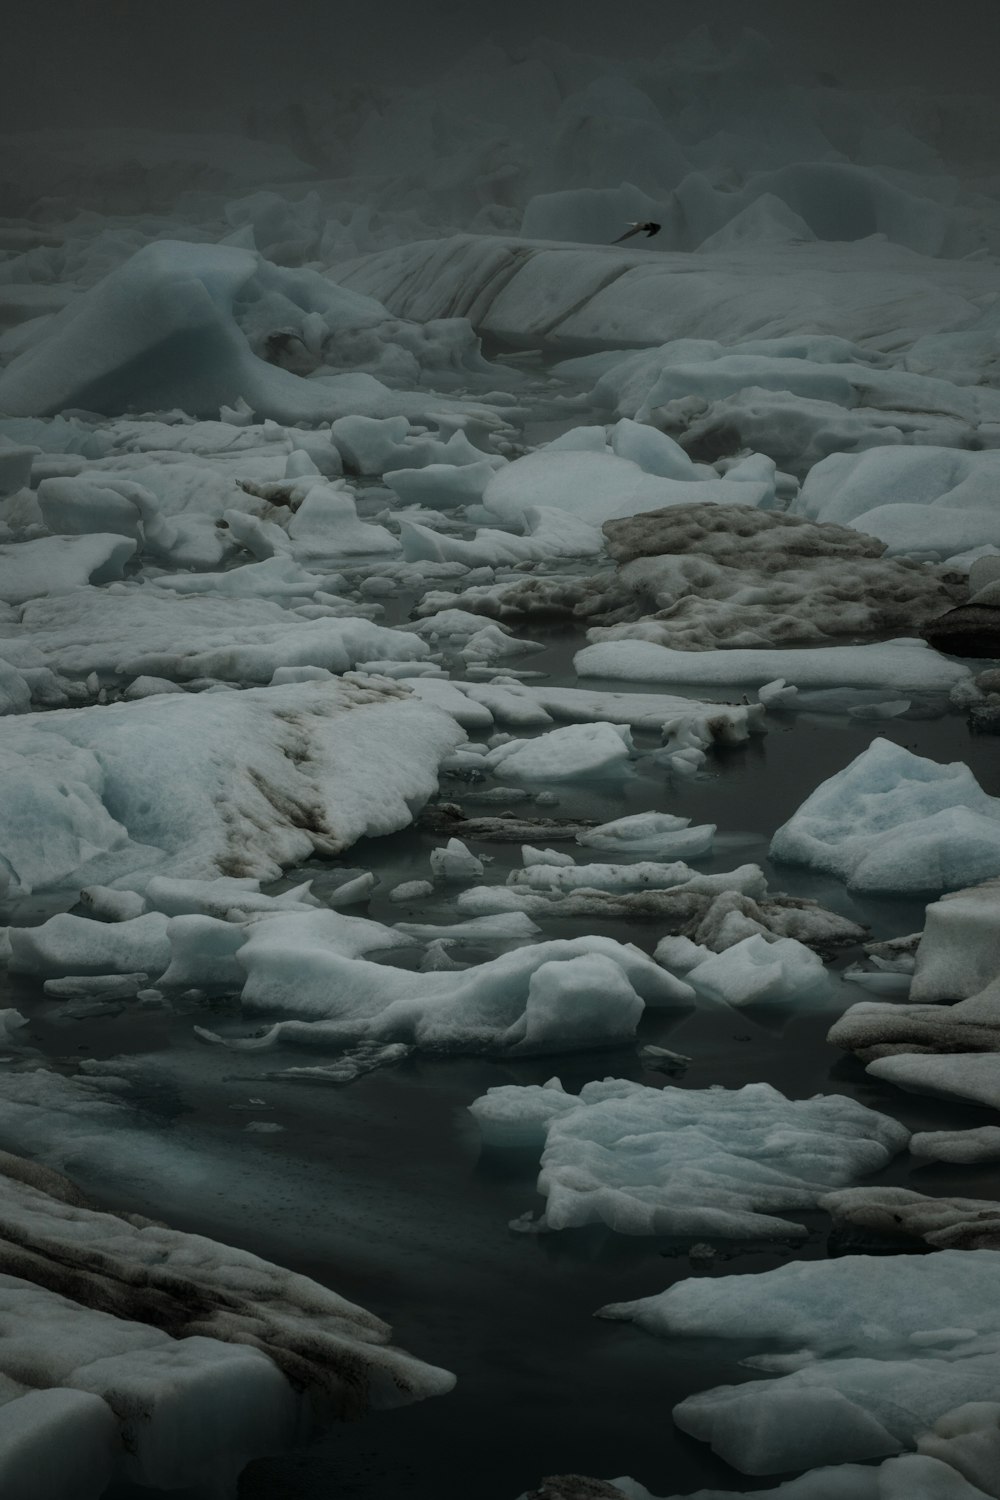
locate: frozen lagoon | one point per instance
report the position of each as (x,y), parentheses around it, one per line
(239,588)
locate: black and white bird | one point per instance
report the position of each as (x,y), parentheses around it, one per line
(649,228)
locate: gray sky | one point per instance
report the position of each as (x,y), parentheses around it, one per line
(178,62)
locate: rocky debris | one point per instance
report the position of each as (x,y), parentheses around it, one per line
(867,1218)
(503,828)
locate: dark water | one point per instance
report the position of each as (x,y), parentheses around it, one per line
(381,1190)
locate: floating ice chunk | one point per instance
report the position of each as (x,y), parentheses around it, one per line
(484,1007)
(714,910)
(443,486)
(609,298)
(854,1323)
(930,485)
(79,506)
(679,954)
(203,953)
(501,930)
(894,821)
(228,898)
(692,1161)
(61,1443)
(116,1396)
(973,1077)
(792,1428)
(372,445)
(777,696)
(108,905)
(961,1146)
(574,752)
(455,862)
(326,526)
(877,981)
(411,890)
(59,564)
(592,486)
(281,772)
(548,533)
(693,576)
(101,987)
(275,578)
(905,664)
(150,687)
(663,835)
(146,630)
(352,892)
(210,306)
(12,1023)
(520,1116)
(901,1478)
(756,971)
(76,945)
(572,1001)
(959,950)
(652,450)
(969,1439)
(531,856)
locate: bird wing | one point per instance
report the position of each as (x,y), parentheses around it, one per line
(627,235)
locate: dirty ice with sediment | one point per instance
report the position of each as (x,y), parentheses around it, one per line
(501,812)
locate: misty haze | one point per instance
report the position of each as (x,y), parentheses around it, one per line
(499,697)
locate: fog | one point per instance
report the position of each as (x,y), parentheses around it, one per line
(499,586)
(184,64)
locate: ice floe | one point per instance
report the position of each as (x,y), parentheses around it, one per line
(888,666)
(280,772)
(134,1353)
(686,1161)
(218,310)
(877,1349)
(895,821)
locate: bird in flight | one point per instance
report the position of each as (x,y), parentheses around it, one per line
(649,229)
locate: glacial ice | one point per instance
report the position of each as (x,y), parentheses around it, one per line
(148,631)
(891,666)
(281,772)
(687,1161)
(185,325)
(137,1353)
(879,1348)
(948,1049)
(894,821)
(548,996)
(619,298)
